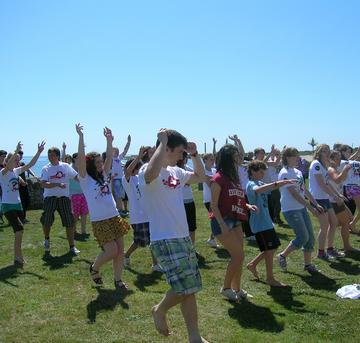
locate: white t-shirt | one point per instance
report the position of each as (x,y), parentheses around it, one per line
(117,168)
(337,186)
(353,177)
(243,176)
(187,190)
(164,203)
(60,173)
(99,198)
(288,202)
(316,168)
(136,200)
(271,174)
(10,186)
(206,188)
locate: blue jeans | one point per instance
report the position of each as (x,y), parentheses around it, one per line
(300,222)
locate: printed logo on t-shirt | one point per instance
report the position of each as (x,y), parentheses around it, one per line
(317,168)
(356,168)
(103,189)
(171,182)
(14,184)
(58,175)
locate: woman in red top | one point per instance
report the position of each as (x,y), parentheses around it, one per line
(229,210)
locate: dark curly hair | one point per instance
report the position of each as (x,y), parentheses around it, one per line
(91,167)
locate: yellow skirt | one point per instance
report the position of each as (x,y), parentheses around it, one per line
(109,230)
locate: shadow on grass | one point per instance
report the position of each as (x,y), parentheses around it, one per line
(13,272)
(57,262)
(202,263)
(318,281)
(285,297)
(145,280)
(107,300)
(256,317)
(81,237)
(346,267)
(222,253)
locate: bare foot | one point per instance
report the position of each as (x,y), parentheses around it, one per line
(253,270)
(275,283)
(160,322)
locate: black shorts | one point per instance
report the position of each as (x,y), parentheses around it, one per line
(63,206)
(267,240)
(190,210)
(337,208)
(15,219)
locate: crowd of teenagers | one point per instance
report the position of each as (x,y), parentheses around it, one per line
(244,196)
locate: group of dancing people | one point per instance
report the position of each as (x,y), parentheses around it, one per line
(241,197)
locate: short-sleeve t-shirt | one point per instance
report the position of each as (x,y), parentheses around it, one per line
(287,201)
(74,187)
(117,169)
(10,186)
(231,202)
(136,200)
(60,173)
(164,203)
(206,188)
(316,168)
(99,198)
(243,176)
(259,220)
(187,190)
(353,177)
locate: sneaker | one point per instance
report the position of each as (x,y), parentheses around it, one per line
(325,257)
(242,294)
(282,262)
(123,214)
(156,268)
(212,243)
(335,253)
(74,251)
(126,262)
(311,268)
(47,245)
(229,294)
(251,238)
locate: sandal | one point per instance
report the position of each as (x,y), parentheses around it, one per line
(120,285)
(97,280)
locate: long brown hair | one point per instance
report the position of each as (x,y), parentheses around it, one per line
(319,149)
(91,167)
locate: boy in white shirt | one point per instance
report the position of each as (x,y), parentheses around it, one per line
(55,178)
(171,245)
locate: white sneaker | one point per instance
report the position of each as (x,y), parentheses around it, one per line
(242,294)
(126,262)
(74,251)
(229,294)
(212,243)
(47,245)
(156,268)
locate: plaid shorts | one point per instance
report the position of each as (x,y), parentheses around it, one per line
(178,260)
(141,234)
(63,206)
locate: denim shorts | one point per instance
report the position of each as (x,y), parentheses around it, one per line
(216,229)
(325,204)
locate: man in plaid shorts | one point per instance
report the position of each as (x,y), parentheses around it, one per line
(162,182)
(55,178)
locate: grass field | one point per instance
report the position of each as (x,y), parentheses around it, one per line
(53,300)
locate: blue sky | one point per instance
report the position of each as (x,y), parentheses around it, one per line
(271,71)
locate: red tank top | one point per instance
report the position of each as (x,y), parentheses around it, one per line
(232,202)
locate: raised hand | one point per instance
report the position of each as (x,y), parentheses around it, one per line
(41,146)
(108,134)
(142,152)
(214,140)
(64,145)
(18,147)
(129,138)
(162,136)
(234,138)
(191,148)
(79,129)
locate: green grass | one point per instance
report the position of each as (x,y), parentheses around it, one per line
(55,301)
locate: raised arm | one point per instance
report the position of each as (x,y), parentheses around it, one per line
(63,152)
(237,143)
(134,163)
(109,148)
(199,171)
(157,160)
(214,146)
(81,163)
(127,146)
(11,160)
(35,158)
(355,156)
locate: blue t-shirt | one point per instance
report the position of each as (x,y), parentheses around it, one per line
(74,187)
(261,220)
